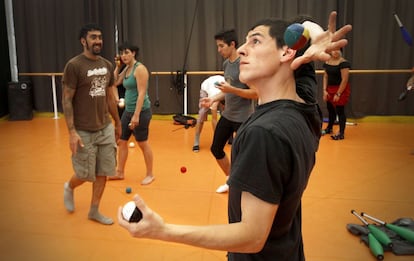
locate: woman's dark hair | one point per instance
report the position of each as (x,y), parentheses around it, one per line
(133,48)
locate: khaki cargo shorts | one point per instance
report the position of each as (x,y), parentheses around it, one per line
(98,156)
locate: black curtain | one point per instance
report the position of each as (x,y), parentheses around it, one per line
(376,43)
(47,36)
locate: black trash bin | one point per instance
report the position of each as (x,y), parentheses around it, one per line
(20,101)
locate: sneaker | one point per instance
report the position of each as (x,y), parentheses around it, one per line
(326,131)
(338,137)
(196,148)
(223,188)
(68,198)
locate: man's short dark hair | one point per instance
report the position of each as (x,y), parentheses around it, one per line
(227,36)
(87,28)
(277,29)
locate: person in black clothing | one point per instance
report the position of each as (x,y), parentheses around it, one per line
(273,155)
(336,92)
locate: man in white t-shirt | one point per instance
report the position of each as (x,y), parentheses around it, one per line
(208,89)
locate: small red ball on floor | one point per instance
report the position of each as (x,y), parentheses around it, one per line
(183,169)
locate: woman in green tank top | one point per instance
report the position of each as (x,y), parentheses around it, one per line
(137,114)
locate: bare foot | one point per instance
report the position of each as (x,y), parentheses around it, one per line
(119,176)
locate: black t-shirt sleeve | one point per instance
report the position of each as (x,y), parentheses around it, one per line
(306,83)
(345,64)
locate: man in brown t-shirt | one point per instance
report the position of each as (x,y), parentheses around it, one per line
(87,101)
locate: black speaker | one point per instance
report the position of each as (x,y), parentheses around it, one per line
(20,101)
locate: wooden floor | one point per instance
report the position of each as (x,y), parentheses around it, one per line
(372,170)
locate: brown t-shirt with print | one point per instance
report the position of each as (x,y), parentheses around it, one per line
(91,79)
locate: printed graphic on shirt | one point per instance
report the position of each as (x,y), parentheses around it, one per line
(98,71)
(229,79)
(99,82)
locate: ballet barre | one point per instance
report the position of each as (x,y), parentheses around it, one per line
(185,74)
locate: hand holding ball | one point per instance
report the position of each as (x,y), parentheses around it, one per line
(131,213)
(121,103)
(296,36)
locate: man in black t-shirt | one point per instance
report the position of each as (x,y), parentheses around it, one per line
(272,156)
